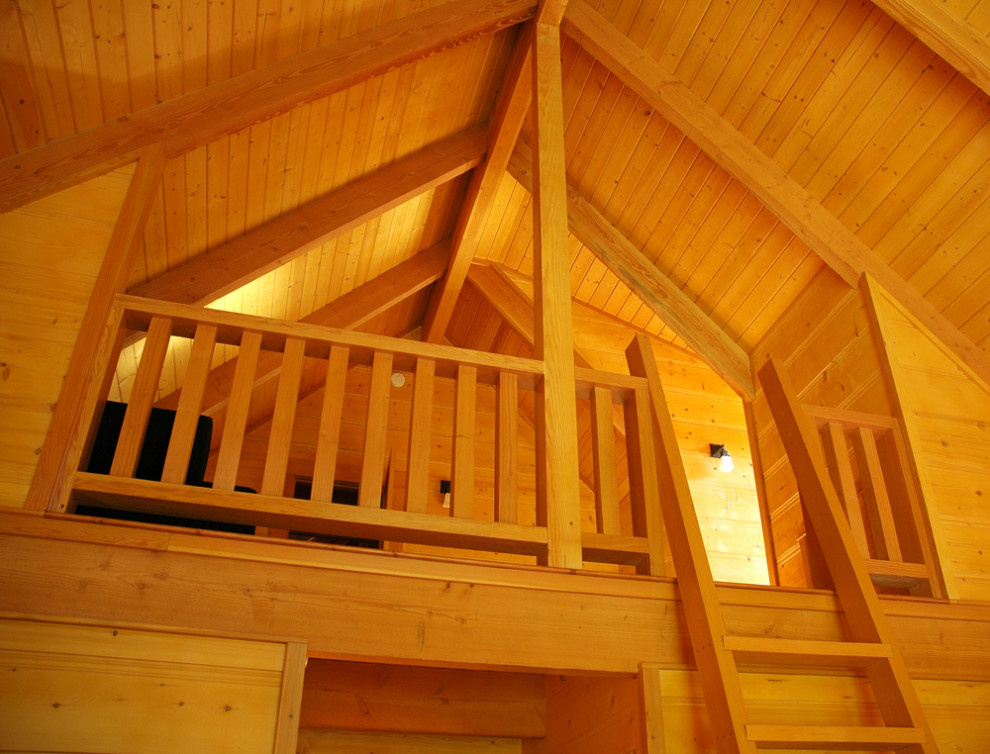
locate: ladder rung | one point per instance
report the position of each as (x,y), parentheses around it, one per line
(844,738)
(801,653)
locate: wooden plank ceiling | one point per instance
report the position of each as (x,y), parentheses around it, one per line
(719,155)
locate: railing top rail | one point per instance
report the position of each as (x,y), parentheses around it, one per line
(622,385)
(877,422)
(138,313)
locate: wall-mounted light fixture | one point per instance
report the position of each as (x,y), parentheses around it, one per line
(724,459)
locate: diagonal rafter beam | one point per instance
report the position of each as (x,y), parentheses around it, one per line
(350,311)
(511,107)
(657,291)
(211,275)
(806,217)
(199,117)
(947,33)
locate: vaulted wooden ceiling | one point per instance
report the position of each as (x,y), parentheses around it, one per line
(719,155)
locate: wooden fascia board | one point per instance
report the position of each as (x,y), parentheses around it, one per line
(806,217)
(211,275)
(206,114)
(350,311)
(657,291)
(947,33)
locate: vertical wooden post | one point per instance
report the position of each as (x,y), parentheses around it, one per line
(462,476)
(229,455)
(558,491)
(875,499)
(840,469)
(644,489)
(375,432)
(190,403)
(603,451)
(420,427)
(283,418)
(149,372)
(651,700)
(328,442)
(506,454)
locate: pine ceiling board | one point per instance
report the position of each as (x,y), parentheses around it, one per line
(618,159)
(960,277)
(584,108)
(637,163)
(877,204)
(777,302)
(777,102)
(956,230)
(708,41)
(732,49)
(669,149)
(44,53)
(606,125)
(758,55)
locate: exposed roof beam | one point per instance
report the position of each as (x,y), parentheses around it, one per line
(348,312)
(511,107)
(211,275)
(822,231)
(947,33)
(199,117)
(657,291)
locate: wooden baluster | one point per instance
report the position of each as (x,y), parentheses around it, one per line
(190,404)
(328,442)
(420,429)
(229,455)
(603,450)
(462,476)
(135,423)
(283,418)
(644,485)
(875,500)
(506,448)
(905,500)
(840,469)
(375,432)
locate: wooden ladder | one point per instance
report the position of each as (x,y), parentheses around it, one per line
(718,654)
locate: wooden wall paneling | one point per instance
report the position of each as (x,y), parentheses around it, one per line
(945,437)
(359,742)
(90,358)
(590,714)
(404,699)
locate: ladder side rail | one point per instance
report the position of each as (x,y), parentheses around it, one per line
(719,675)
(890,681)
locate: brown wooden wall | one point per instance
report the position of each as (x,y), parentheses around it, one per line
(50,254)
(829,352)
(946,414)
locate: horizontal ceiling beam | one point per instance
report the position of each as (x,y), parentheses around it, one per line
(948,34)
(657,291)
(201,116)
(802,213)
(209,276)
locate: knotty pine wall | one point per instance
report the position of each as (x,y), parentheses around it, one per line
(829,352)
(946,414)
(70,687)
(50,254)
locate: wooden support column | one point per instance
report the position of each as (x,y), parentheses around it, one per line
(558,490)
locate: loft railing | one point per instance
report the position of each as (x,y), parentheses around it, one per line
(612,402)
(869,466)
